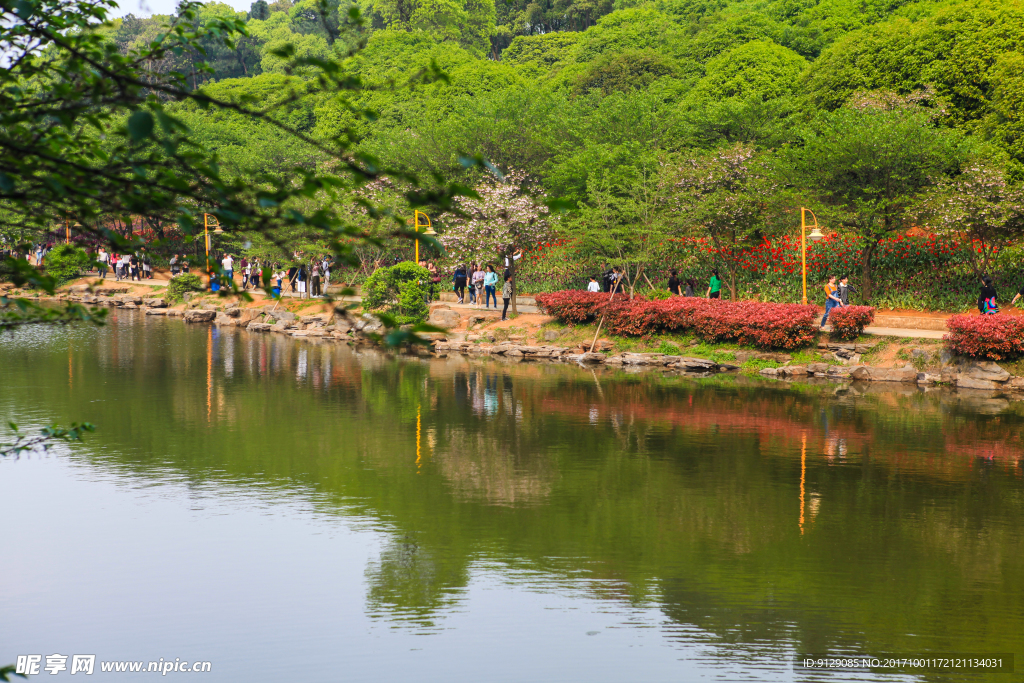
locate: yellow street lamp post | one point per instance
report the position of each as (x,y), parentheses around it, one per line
(209,220)
(417,224)
(815,236)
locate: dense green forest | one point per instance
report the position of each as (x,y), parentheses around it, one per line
(655,122)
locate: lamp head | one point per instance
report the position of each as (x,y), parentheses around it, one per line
(815,235)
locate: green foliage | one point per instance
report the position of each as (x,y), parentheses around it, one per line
(186,282)
(872,164)
(630,70)
(65,262)
(400,291)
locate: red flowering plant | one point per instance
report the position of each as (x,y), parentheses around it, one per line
(995,337)
(849,321)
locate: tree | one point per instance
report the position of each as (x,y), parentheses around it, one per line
(259,10)
(88,132)
(626,217)
(981,209)
(502,219)
(725,195)
(870,165)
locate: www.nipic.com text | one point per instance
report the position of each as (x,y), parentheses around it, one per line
(30,665)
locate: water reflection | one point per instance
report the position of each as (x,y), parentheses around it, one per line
(753,516)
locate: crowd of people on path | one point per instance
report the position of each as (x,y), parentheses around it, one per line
(478,283)
(132,267)
(305,278)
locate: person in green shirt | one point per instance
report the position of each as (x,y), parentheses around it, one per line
(715,286)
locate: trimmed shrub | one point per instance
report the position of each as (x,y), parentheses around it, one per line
(186,282)
(765,325)
(65,262)
(995,337)
(400,291)
(849,321)
(573,306)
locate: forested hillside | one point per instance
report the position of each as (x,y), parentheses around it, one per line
(619,107)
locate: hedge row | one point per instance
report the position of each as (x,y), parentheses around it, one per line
(996,337)
(764,325)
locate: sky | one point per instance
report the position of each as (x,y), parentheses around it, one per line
(145,8)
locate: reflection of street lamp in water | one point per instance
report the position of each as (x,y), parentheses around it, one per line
(815,236)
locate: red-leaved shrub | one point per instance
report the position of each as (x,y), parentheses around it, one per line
(765,325)
(572,306)
(849,321)
(995,337)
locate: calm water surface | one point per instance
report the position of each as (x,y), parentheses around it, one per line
(304,512)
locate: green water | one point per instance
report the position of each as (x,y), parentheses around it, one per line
(297,511)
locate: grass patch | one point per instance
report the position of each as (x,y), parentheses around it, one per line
(755,365)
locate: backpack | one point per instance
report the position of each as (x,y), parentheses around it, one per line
(991,308)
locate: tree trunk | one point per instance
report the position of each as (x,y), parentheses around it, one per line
(867,256)
(512,274)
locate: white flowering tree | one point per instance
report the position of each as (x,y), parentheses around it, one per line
(725,195)
(979,208)
(503,219)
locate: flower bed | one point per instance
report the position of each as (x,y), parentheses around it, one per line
(849,321)
(995,337)
(765,325)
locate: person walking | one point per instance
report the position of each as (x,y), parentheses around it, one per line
(325,272)
(844,290)
(506,297)
(316,280)
(714,286)
(691,287)
(175,269)
(293,273)
(606,278)
(459,280)
(616,280)
(673,282)
(147,267)
(102,261)
(477,284)
(227,264)
(987,299)
(134,264)
(279,276)
(435,279)
(592,286)
(831,298)
(490,287)
(300,280)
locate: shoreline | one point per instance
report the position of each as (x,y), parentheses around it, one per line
(839,362)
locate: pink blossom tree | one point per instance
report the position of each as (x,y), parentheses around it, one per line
(503,219)
(725,195)
(981,209)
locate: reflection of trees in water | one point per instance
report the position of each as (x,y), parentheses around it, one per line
(636,481)
(482,467)
(412,584)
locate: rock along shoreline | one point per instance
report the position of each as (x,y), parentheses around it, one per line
(358,329)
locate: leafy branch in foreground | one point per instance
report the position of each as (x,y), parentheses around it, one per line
(42,440)
(88,131)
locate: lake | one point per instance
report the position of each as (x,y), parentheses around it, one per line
(288,510)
